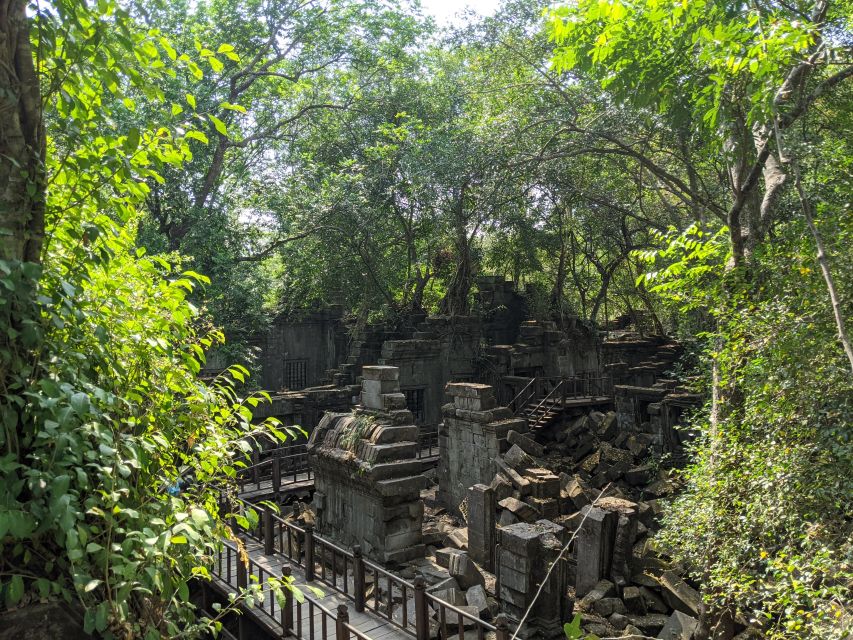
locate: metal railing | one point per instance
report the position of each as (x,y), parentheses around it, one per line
(428,443)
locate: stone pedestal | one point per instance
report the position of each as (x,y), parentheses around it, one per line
(526,553)
(471,437)
(367,475)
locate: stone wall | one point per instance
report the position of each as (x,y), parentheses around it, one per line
(655,412)
(367,476)
(299,348)
(470,440)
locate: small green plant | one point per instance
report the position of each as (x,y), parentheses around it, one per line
(355,431)
(573,630)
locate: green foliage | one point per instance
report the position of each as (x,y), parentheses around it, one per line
(113,450)
(770,487)
(686,58)
(573,630)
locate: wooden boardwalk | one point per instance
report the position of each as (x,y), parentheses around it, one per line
(316,617)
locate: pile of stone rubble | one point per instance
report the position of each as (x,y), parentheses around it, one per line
(593,485)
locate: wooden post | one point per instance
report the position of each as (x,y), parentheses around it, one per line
(421,612)
(269,540)
(256,459)
(501,627)
(341,631)
(309,552)
(287,609)
(358,578)
(242,573)
(276,475)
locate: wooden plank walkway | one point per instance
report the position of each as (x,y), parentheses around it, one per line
(309,621)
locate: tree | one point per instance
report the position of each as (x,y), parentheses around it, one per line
(112,450)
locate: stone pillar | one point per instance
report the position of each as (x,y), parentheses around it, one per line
(481,525)
(471,438)
(594,548)
(526,553)
(367,476)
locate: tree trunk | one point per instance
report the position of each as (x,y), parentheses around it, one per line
(22,140)
(560,279)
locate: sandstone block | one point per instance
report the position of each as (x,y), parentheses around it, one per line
(380,372)
(465,571)
(527,444)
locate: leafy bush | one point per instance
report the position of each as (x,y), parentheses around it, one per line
(766,520)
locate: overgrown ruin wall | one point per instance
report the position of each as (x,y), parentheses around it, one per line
(299,348)
(367,476)
(470,440)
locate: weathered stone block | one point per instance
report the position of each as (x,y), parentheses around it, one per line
(379,372)
(380,387)
(679,626)
(594,548)
(528,445)
(463,569)
(521,510)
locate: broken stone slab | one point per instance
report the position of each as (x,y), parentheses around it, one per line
(442,556)
(543,485)
(447,583)
(502,486)
(652,601)
(507,518)
(477,598)
(517,480)
(649,624)
(602,589)
(451,596)
(468,389)
(596,417)
(633,599)
(575,492)
(678,594)
(521,510)
(528,445)
(638,476)
(660,488)
(457,538)
(380,387)
(517,458)
(465,571)
(608,426)
(608,606)
(679,626)
(483,402)
(618,621)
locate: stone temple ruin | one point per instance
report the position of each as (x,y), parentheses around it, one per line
(550,473)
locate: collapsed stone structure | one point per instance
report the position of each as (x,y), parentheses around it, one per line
(367,476)
(515,477)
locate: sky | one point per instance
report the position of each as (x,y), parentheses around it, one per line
(444,11)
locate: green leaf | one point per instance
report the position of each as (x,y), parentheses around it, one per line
(197,135)
(191,100)
(218,124)
(15,591)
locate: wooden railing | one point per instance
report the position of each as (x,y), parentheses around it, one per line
(361,581)
(315,623)
(280,469)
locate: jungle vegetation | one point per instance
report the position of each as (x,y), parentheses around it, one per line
(174,174)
